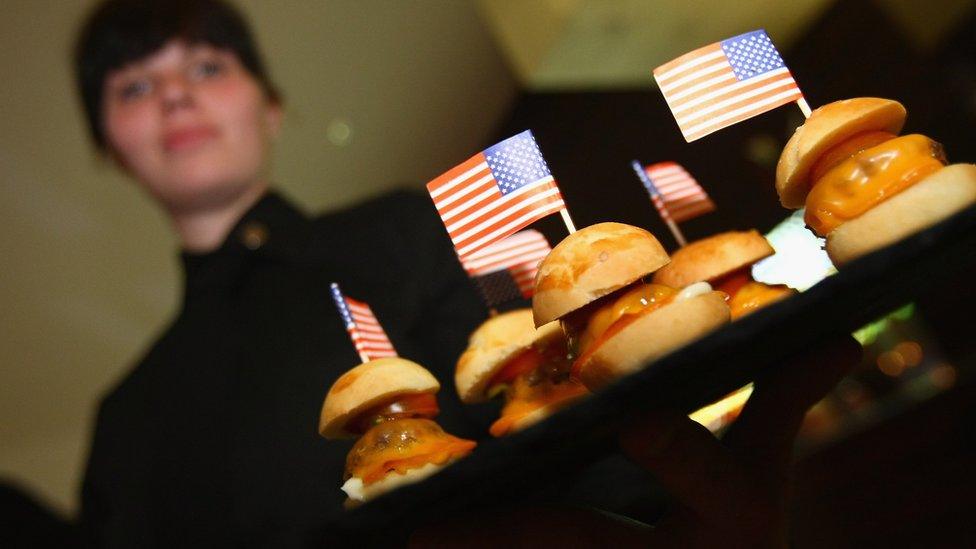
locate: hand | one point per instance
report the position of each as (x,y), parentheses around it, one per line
(728,493)
(735,491)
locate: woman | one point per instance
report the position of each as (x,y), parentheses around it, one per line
(211,439)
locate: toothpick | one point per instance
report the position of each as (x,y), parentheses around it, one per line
(804,107)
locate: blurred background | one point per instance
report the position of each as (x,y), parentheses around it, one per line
(382,94)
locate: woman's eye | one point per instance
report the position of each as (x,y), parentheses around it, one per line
(134,89)
(208,68)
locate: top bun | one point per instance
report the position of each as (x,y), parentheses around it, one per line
(713,257)
(590,264)
(369,385)
(826,127)
(492,345)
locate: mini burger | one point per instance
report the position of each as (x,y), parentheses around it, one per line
(389,404)
(725,261)
(595,283)
(507,355)
(863,185)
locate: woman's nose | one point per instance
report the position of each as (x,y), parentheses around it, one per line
(176,92)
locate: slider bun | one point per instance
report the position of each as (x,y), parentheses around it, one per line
(590,264)
(369,385)
(925,203)
(713,257)
(492,345)
(654,335)
(826,127)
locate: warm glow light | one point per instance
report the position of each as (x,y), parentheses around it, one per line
(943,376)
(891,363)
(911,351)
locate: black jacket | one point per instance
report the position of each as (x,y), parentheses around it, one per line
(212,439)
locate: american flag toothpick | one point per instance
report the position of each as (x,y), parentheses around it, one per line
(680,196)
(366,333)
(495,193)
(675,194)
(727,82)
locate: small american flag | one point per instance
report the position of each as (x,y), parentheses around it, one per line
(365,331)
(519,253)
(726,82)
(495,193)
(675,193)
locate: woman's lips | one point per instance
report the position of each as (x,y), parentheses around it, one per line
(186,139)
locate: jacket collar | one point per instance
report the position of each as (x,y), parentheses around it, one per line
(273,228)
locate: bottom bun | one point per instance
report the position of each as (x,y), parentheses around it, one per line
(359,493)
(922,205)
(653,336)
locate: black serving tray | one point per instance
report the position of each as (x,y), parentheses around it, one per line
(504,470)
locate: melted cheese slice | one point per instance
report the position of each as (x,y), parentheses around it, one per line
(531,393)
(857,184)
(756,295)
(400,445)
(641,299)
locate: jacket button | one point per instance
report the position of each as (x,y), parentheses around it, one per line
(253,235)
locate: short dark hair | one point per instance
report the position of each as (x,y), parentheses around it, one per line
(119,32)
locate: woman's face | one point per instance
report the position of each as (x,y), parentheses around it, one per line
(191,124)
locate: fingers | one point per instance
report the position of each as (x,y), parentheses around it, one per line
(765,429)
(807,378)
(690,463)
(720,501)
(739,484)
